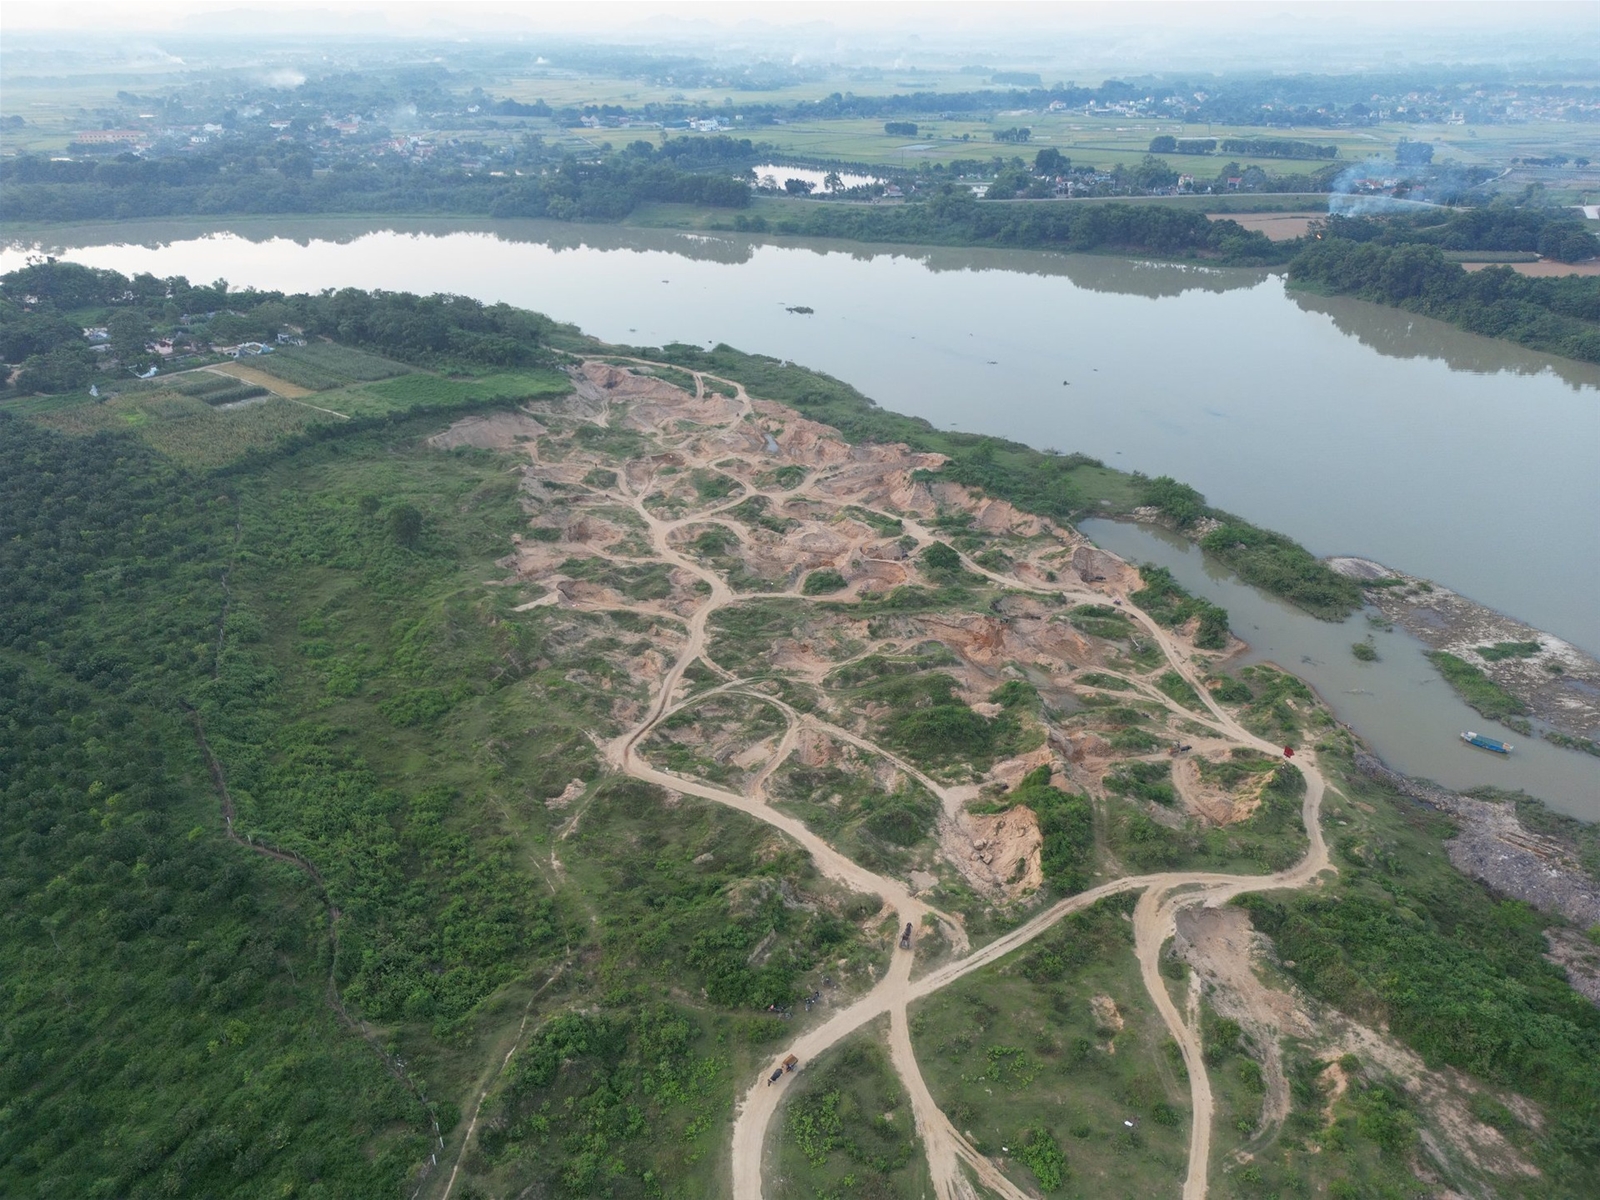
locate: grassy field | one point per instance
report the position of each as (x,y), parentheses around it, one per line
(846,1129)
(198,435)
(1061,1044)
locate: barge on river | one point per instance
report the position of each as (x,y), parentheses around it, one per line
(1485,743)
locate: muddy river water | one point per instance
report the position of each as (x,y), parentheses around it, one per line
(1353,428)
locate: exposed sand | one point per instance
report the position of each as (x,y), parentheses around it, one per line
(1544,268)
(272,383)
(654,500)
(1279,227)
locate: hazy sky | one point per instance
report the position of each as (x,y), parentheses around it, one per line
(434,16)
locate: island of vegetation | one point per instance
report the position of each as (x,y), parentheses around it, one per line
(475,761)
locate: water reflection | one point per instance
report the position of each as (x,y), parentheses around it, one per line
(1401,334)
(1399,705)
(1453,457)
(1095,273)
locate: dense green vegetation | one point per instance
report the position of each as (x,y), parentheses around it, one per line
(1066,822)
(1268,560)
(1499,651)
(1559,315)
(42,189)
(1284,568)
(45,303)
(151,966)
(1476,688)
(1553,233)
(1406,941)
(1166,600)
(381,716)
(952,216)
(1277,148)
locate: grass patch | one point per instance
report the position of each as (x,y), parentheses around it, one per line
(437,393)
(1178,688)
(1504,650)
(1102,621)
(1021,1059)
(823,582)
(1476,688)
(847,1128)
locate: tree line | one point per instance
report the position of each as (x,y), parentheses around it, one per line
(686,170)
(952,216)
(43,306)
(1558,315)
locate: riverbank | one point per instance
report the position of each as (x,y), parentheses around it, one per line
(1552,681)
(1494,846)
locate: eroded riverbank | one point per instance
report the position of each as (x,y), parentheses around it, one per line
(1398,704)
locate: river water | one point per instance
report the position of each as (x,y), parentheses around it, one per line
(1353,428)
(1399,705)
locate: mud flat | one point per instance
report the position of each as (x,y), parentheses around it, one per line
(1557,682)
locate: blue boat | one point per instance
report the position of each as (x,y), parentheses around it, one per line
(1485,743)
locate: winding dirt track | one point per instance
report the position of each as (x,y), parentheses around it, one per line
(1154,916)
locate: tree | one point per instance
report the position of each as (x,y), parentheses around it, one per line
(1413,154)
(64,369)
(129,330)
(1165,144)
(405,522)
(1153,172)
(832,182)
(1050,161)
(799,187)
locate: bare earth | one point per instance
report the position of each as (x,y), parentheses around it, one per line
(712,465)
(1279,227)
(1559,683)
(272,383)
(1544,268)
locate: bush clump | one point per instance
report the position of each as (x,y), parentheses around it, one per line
(823,582)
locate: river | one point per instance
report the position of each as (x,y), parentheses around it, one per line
(1353,428)
(1399,705)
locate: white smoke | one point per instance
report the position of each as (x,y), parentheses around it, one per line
(1366,188)
(284,77)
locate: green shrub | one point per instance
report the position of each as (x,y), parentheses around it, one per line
(1145,780)
(1504,650)
(1476,688)
(1283,567)
(1044,1158)
(940,559)
(823,582)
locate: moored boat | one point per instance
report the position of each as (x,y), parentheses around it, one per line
(1485,743)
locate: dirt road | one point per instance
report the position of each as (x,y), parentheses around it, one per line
(1154,916)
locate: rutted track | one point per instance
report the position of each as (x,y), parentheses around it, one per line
(1154,917)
